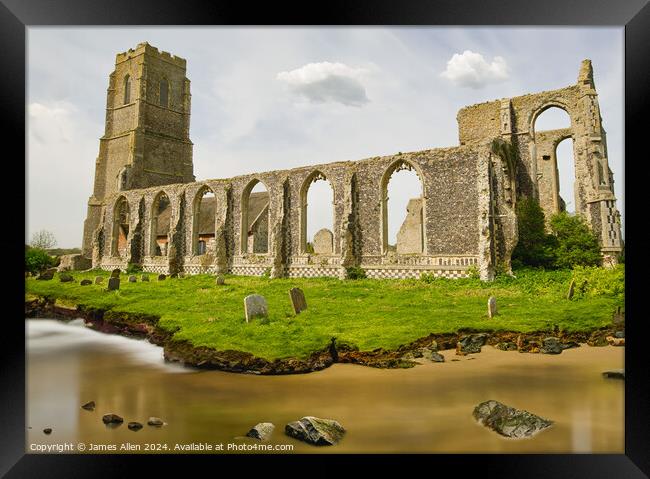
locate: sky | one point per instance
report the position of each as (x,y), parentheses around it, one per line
(278,98)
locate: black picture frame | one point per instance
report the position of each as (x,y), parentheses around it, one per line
(634,15)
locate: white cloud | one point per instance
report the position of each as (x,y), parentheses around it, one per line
(469,69)
(327,82)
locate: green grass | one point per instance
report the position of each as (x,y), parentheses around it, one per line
(367,313)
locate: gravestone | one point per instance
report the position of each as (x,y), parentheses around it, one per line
(99,279)
(65,278)
(161,277)
(45,276)
(255,307)
(297,299)
(132,279)
(572,287)
(113,284)
(492,307)
(144,277)
(323,241)
(221,280)
(115,273)
(85,282)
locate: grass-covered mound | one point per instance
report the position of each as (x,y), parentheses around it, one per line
(367,313)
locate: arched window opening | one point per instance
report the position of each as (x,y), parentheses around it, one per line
(556,178)
(122,180)
(121,221)
(160,225)
(164,93)
(255,219)
(403,211)
(317,215)
(204,222)
(127,89)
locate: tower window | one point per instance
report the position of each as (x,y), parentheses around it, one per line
(164,93)
(127,89)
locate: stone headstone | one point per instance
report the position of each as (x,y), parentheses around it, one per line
(261,431)
(45,276)
(316,431)
(572,288)
(65,277)
(132,279)
(115,273)
(323,241)
(492,307)
(221,280)
(297,300)
(144,277)
(113,284)
(161,277)
(99,279)
(255,307)
(85,282)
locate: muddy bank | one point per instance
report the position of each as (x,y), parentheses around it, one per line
(183,352)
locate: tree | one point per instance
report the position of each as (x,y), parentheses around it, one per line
(575,243)
(534,247)
(43,239)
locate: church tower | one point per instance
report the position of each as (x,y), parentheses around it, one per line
(146,140)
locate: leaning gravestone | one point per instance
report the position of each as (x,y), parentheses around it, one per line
(99,279)
(132,279)
(255,307)
(297,300)
(492,307)
(145,277)
(115,273)
(572,288)
(161,277)
(113,284)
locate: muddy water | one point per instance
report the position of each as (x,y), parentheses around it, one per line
(424,409)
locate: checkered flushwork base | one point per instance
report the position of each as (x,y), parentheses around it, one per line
(315,272)
(394,273)
(154,268)
(111,267)
(195,269)
(248,270)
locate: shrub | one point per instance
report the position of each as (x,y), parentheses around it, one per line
(133,268)
(37,259)
(534,246)
(594,281)
(355,272)
(266,273)
(473,273)
(574,244)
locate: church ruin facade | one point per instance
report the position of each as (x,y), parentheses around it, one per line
(148,209)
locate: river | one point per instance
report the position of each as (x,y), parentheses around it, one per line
(425,409)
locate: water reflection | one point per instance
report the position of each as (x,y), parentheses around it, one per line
(423,409)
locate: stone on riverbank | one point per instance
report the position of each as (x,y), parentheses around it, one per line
(255,306)
(112,419)
(89,406)
(134,426)
(506,346)
(85,282)
(297,300)
(471,344)
(155,421)
(113,284)
(551,345)
(614,374)
(261,431)
(508,421)
(615,341)
(316,431)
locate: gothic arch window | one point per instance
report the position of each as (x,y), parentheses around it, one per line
(121,221)
(204,228)
(161,211)
(317,215)
(127,89)
(402,210)
(164,93)
(255,218)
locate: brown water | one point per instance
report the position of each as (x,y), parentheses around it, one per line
(424,409)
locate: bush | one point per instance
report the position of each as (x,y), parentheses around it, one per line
(534,247)
(133,268)
(266,273)
(355,272)
(473,272)
(573,243)
(37,260)
(594,281)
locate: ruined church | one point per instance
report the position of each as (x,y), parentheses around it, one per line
(147,208)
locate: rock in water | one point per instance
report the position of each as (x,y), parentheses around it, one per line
(255,307)
(615,374)
(261,431)
(471,344)
(551,345)
(132,279)
(508,421)
(99,279)
(134,426)
(316,431)
(112,419)
(113,284)
(89,406)
(85,282)
(47,430)
(297,299)
(155,421)
(492,307)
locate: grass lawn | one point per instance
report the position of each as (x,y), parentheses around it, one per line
(367,313)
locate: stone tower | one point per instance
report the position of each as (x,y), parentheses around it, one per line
(146,140)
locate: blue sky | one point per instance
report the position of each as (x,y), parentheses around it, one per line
(275,98)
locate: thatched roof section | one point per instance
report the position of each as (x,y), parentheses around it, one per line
(256,203)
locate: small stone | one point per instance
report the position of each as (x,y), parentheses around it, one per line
(132,279)
(112,419)
(615,341)
(572,287)
(221,280)
(161,277)
(615,374)
(506,346)
(47,430)
(551,345)
(316,431)
(297,300)
(508,421)
(99,279)
(89,406)
(261,431)
(113,284)
(115,273)
(437,357)
(255,307)
(619,334)
(46,275)
(144,277)
(181,275)
(134,426)
(85,282)
(155,421)
(471,344)
(65,277)
(492,306)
